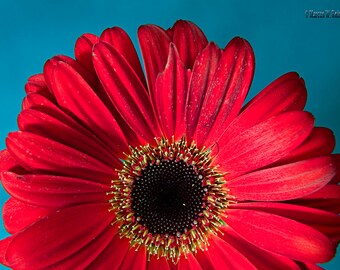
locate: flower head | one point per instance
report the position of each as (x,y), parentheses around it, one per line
(112,169)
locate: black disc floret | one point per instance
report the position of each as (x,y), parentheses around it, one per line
(167,197)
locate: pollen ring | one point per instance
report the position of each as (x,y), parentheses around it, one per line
(169,198)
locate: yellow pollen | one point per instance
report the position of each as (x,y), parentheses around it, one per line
(158,186)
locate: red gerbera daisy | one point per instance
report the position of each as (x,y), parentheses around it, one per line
(114,171)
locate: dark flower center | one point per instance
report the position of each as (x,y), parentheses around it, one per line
(168,197)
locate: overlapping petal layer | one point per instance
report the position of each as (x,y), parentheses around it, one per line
(281,235)
(285,182)
(77,225)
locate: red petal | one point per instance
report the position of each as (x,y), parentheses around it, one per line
(50,127)
(227,91)
(287,93)
(73,228)
(8,163)
(134,259)
(37,84)
(189,40)
(221,255)
(285,182)
(40,155)
(154,43)
(126,91)
(112,257)
(320,142)
(171,92)
(262,259)
(90,78)
(202,74)
(39,103)
(4,243)
(100,92)
(29,102)
(157,263)
(189,263)
(264,143)
(77,98)
(120,40)
(327,198)
(18,215)
(325,222)
(53,191)
(131,137)
(336,178)
(83,50)
(281,235)
(309,266)
(84,257)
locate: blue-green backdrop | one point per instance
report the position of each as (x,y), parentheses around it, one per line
(282,37)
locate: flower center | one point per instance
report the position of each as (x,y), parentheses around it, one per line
(169,198)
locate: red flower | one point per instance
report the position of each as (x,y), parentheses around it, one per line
(111,170)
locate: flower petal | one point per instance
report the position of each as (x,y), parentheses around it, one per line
(80,225)
(8,163)
(154,43)
(37,84)
(88,76)
(268,141)
(41,155)
(88,254)
(120,40)
(323,221)
(111,258)
(201,77)
(41,104)
(157,263)
(285,182)
(92,80)
(326,198)
(262,259)
(126,91)
(50,127)
(134,259)
(83,50)
(281,235)
(53,191)
(287,93)
(18,215)
(34,100)
(189,263)
(309,266)
(189,41)
(336,178)
(87,107)
(320,142)
(171,93)
(4,243)
(227,91)
(221,255)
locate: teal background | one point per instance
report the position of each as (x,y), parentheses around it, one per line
(282,37)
